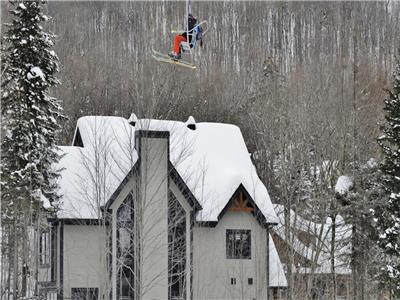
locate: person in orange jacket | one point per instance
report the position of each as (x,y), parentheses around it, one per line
(178,39)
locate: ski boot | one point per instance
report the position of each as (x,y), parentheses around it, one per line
(175,56)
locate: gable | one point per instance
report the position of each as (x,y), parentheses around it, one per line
(131,175)
(241,202)
(173,176)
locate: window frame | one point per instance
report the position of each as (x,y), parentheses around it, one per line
(45,248)
(234,252)
(48,293)
(51,295)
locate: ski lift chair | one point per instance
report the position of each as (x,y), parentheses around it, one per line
(192,34)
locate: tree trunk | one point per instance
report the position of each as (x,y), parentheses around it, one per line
(15,268)
(25,260)
(289,252)
(333,271)
(354,262)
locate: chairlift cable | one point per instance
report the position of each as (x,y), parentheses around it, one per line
(188,11)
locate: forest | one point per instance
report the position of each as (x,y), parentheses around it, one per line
(306,83)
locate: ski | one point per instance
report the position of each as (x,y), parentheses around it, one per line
(165,58)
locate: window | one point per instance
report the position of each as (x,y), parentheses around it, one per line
(51,295)
(250,281)
(126,249)
(44,248)
(47,293)
(233,281)
(176,249)
(238,244)
(84,294)
(275,293)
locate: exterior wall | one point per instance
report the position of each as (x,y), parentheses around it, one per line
(83,258)
(212,271)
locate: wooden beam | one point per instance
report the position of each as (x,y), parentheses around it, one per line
(240,204)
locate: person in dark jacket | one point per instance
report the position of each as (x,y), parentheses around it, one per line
(178,39)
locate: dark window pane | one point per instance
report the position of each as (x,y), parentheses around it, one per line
(126,234)
(176,249)
(238,244)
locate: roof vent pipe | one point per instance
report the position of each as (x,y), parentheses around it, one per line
(132,119)
(191,123)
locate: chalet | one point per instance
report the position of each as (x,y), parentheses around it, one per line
(155,209)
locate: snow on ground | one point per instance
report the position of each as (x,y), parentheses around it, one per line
(343,185)
(212,159)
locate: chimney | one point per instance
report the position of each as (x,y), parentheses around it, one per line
(153,184)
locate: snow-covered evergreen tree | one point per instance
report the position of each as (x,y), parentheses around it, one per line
(30,115)
(30,127)
(388,215)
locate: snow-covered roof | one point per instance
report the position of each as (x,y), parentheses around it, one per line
(277,277)
(322,232)
(91,173)
(213,160)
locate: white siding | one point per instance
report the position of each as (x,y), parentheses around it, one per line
(213,271)
(84,257)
